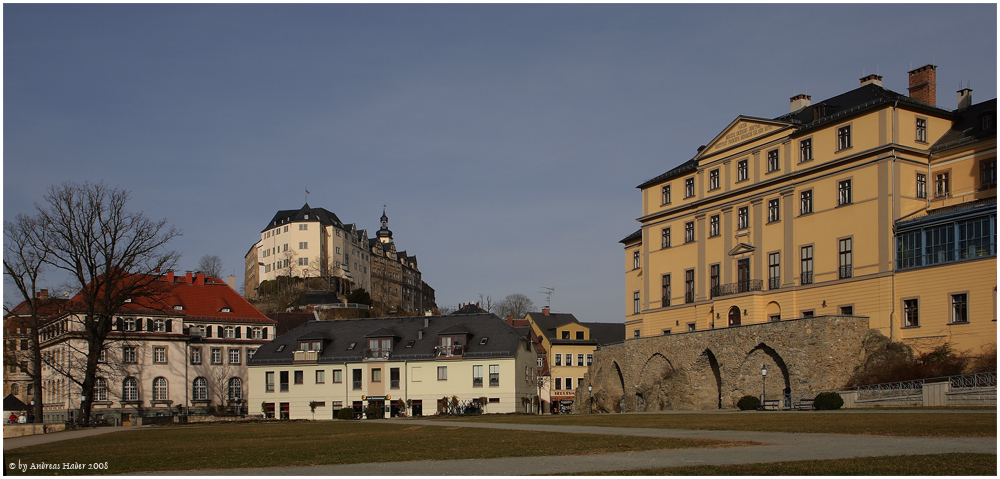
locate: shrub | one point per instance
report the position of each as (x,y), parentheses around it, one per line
(828,401)
(748,403)
(346,413)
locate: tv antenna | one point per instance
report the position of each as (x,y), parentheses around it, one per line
(548,295)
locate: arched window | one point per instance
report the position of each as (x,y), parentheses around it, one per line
(101,389)
(130,390)
(235,389)
(160,389)
(199,391)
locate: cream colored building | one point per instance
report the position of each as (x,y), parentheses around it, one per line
(392,361)
(795,216)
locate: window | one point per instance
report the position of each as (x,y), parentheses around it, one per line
(959,311)
(579,360)
(665,290)
(742,170)
(807,265)
(540,362)
(129,324)
(844,193)
(716,284)
(269,382)
(159,354)
(988,174)
(846,258)
(302,227)
(689,187)
(590,359)
(558,384)
(921,185)
(843,138)
(130,390)
(974,238)
(160,326)
(940,244)
(635,304)
(256,332)
(229,331)
(691,327)
(377,375)
(128,354)
(442,373)
(808,314)
(664,238)
(234,356)
(911,316)
(921,130)
(494,375)
(772,161)
(909,251)
(160,389)
(565,334)
(100,390)
(303,245)
(689,232)
(283,381)
(688,286)
(338,376)
(216,355)
(713,226)
(569,384)
(235,389)
(393,378)
(665,195)
(743,218)
(196,355)
(774,270)
(942,184)
(477,376)
(806,202)
(847,310)
(805,150)
(713,179)
(303,261)
(773,211)
(559,359)
(635,260)
(199,389)
(380,347)
(635,334)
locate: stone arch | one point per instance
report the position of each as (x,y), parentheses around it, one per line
(655,382)
(713,364)
(735,319)
(612,401)
(773,309)
(750,380)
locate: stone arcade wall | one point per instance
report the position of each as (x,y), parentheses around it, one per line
(713,369)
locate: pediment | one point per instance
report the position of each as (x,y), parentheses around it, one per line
(741,131)
(742,248)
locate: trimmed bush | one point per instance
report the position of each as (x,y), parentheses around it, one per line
(346,413)
(748,403)
(828,401)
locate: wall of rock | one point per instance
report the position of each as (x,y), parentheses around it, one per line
(713,369)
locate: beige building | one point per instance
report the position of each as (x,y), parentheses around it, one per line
(795,216)
(413,362)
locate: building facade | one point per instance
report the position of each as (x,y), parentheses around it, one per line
(797,216)
(184,351)
(397,364)
(18,332)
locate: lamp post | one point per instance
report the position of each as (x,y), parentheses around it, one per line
(763,375)
(32,413)
(590,392)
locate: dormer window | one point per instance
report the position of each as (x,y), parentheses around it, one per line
(312,345)
(483,341)
(281,348)
(178,307)
(226,310)
(451,346)
(380,347)
(128,300)
(351,346)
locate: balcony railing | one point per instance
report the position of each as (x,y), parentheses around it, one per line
(689,297)
(449,351)
(306,356)
(357,385)
(377,353)
(394,384)
(774,283)
(494,379)
(477,382)
(845,272)
(807,277)
(738,287)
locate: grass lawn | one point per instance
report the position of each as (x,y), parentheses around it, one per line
(928,465)
(965,424)
(225,446)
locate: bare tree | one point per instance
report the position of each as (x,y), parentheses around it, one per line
(210,265)
(111,254)
(486,302)
(515,305)
(23,261)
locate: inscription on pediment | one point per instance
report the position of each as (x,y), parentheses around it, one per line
(741,132)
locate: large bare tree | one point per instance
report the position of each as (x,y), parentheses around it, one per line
(111,254)
(211,265)
(515,305)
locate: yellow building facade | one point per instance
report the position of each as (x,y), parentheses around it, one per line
(796,216)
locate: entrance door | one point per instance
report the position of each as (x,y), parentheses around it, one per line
(743,275)
(126,419)
(734,316)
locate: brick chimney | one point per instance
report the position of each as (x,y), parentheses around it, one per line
(170,277)
(545,311)
(873,79)
(964,98)
(800,101)
(923,84)
(199,279)
(187,277)
(43,294)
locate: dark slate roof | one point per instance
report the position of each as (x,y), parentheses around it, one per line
(969,126)
(549,323)
(637,236)
(320,215)
(12,403)
(289,321)
(949,213)
(503,339)
(606,333)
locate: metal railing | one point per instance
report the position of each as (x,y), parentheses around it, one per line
(774,283)
(915,387)
(807,277)
(738,287)
(845,272)
(974,381)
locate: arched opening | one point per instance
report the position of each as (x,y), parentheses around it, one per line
(776,385)
(655,385)
(734,316)
(714,365)
(773,311)
(615,400)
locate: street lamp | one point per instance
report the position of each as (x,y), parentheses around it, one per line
(763,375)
(590,391)
(32,413)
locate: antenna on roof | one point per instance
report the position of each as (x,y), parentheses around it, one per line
(548,295)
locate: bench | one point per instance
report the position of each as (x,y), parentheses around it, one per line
(771,405)
(804,404)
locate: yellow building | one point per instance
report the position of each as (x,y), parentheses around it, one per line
(795,216)
(569,347)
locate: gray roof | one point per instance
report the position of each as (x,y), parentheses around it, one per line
(339,334)
(969,126)
(320,215)
(606,333)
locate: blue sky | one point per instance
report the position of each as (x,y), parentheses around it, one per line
(505,140)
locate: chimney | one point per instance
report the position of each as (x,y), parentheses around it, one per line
(923,84)
(964,98)
(231,281)
(187,277)
(170,276)
(43,294)
(199,279)
(545,311)
(873,79)
(800,101)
